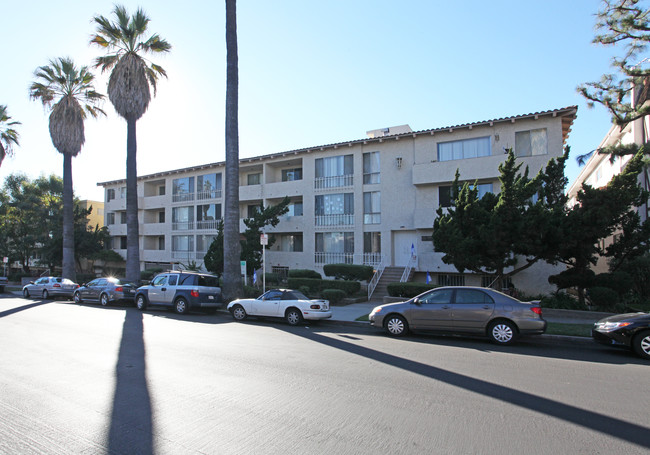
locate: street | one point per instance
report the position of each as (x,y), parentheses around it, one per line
(88,379)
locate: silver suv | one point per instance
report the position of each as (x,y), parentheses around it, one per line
(182,291)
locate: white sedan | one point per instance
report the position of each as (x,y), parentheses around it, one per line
(293,306)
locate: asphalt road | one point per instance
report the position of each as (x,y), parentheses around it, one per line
(86,379)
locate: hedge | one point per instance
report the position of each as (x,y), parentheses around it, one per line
(304,273)
(316,285)
(408,290)
(351,272)
(333,295)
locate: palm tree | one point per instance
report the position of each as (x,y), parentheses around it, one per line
(75,98)
(128,89)
(8,135)
(231,269)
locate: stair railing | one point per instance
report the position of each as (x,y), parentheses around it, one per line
(407,269)
(372,284)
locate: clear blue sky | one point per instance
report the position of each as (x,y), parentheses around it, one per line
(311,73)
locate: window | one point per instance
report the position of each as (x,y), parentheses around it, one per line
(333,172)
(371,167)
(467,148)
(182,243)
(295,209)
(172,280)
(203,242)
(110,218)
(289,175)
(335,209)
(372,207)
(161,216)
(207,216)
(253,209)
(291,242)
(182,218)
(371,248)
(254,179)
(122,192)
(334,247)
(122,217)
(472,296)
(161,190)
(531,143)
(445,196)
(183,189)
(122,243)
(441,296)
(110,194)
(208,186)
(161,242)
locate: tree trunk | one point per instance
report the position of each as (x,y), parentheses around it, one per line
(132,230)
(231,247)
(68,220)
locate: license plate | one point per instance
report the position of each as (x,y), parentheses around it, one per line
(210,297)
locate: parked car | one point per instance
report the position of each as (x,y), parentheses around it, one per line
(182,291)
(3,282)
(630,330)
(50,286)
(291,305)
(462,310)
(105,291)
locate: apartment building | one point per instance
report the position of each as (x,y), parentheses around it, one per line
(366,201)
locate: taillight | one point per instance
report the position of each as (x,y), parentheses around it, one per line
(315,307)
(57,285)
(119,289)
(194,293)
(536,310)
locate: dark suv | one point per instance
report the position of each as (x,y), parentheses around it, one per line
(182,291)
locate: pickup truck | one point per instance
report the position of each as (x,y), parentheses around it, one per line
(3,282)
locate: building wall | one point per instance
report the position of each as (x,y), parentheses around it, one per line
(409,186)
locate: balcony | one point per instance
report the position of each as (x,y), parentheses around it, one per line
(183,226)
(210,194)
(207,224)
(154,229)
(183,197)
(337,181)
(372,259)
(335,220)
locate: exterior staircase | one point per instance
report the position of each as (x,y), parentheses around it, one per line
(390,275)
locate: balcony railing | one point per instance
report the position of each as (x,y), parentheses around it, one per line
(208,194)
(182,197)
(334,258)
(335,220)
(207,224)
(188,255)
(184,226)
(336,181)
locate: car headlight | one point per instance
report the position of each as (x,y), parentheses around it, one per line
(611,326)
(376,310)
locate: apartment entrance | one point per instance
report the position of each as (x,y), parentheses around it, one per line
(402,241)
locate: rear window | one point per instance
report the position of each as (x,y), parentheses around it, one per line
(207,280)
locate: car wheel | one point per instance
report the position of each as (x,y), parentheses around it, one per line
(641,344)
(239,313)
(46,295)
(25,293)
(293,316)
(103,299)
(502,332)
(181,306)
(396,326)
(141,302)
(77,297)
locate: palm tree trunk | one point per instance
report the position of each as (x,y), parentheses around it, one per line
(132,230)
(68,220)
(231,246)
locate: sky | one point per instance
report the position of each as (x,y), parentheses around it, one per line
(310,73)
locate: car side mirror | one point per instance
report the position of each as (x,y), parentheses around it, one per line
(417,302)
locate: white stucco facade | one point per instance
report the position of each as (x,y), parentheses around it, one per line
(362,201)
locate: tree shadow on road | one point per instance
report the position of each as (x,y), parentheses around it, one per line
(22,308)
(614,427)
(131,429)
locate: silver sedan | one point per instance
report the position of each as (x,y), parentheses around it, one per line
(50,286)
(462,310)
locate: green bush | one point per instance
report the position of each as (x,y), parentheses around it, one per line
(333,295)
(561,301)
(250,292)
(304,273)
(272,278)
(83,278)
(305,290)
(604,298)
(316,285)
(408,290)
(149,274)
(351,272)
(620,282)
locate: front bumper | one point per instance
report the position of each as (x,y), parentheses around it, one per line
(613,338)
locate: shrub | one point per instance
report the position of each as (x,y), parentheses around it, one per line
(317,285)
(85,277)
(349,287)
(351,272)
(305,290)
(250,292)
(408,290)
(304,273)
(603,297)
(272,278)
(561,301)
(298,283)
(333,295)
(149,274)
(620,282)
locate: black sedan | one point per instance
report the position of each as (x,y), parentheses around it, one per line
(105,291)
(631,330)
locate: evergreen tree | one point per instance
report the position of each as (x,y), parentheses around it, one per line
(213,259)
